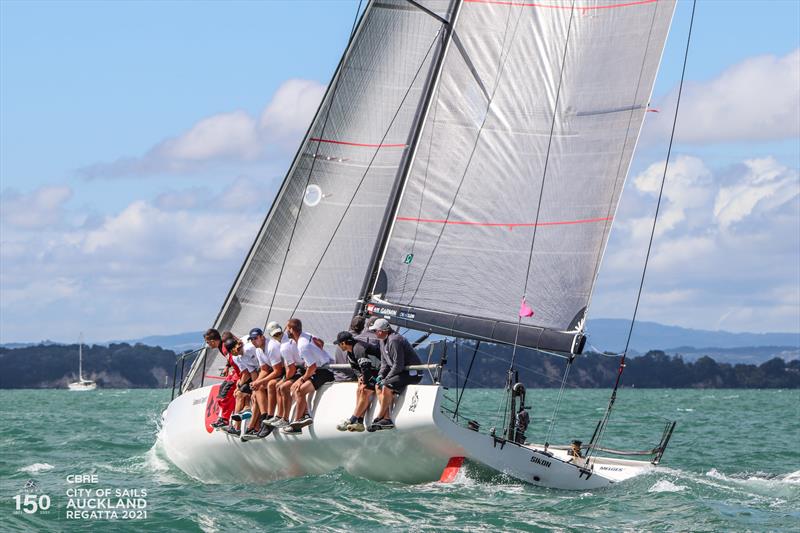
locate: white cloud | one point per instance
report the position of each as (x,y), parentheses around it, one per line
(755,100)
(226,137)
(292,108)
(765,186)
(37,209)
(726,253)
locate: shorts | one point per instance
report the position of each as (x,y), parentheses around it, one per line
(245,389)
(299,371)
(399,382)
(321,377)
(369,374)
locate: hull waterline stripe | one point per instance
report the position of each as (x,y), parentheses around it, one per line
(364,145)
(502,224)
(552,6)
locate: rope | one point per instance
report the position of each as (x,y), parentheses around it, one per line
(311,169)
(600,431)
(558,404)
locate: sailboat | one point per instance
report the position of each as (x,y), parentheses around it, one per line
(81,384)
(459,179)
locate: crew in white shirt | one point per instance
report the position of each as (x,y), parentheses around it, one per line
(248,361)
(272,370)
(316,374)
(293,369)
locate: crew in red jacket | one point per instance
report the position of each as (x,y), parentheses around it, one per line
(225,399)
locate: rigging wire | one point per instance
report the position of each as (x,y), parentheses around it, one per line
(539,203)
(366,171)
(600,430)
(313,162)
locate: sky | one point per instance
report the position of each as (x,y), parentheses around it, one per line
(142,143)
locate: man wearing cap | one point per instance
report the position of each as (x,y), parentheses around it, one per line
(393,378)
(252,352)
(365,360)
(292,370)
(265,386)
(316,375)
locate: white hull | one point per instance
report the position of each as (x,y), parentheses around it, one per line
(416,451)
(82,386)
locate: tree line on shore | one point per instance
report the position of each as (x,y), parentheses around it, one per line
(123,365)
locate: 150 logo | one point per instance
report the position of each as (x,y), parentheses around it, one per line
(31,502)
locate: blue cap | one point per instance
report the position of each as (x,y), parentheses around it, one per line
(255,332)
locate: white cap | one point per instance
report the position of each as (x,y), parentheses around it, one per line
(380,325)
(273,328)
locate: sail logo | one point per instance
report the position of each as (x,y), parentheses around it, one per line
(542,462)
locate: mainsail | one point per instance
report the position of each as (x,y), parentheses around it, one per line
(517,174)
(310,255)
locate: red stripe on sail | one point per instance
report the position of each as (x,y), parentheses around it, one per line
(365,145)
(552,6)
(502,224)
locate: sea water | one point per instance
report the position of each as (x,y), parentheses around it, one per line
(733,465)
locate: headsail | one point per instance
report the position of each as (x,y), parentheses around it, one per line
(519,169)
(310,256)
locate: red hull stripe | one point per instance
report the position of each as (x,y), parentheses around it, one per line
(365,145)
(451,470)
(502,224)
(552,6)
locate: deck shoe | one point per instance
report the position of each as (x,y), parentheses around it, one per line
(290,429)
(221,422)
(384,423)
(306,420)
(232,430)
(342,426)
(355,426)
(280,423)
(237,417)
(265,431)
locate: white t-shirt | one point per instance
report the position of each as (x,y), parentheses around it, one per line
(311,353)
(274,351)
(249,358)
(290,354)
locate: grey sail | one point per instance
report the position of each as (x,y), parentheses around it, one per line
(310,256)
(517,174)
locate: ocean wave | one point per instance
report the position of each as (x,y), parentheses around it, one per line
(36,467)
(665,485)
(792,478)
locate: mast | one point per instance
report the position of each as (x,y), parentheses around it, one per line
(405,168)
(80,357)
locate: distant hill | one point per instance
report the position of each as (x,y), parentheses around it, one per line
(605,334)
(609,334)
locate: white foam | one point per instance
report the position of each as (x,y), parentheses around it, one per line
(36,467)
(665,485)
(687,410)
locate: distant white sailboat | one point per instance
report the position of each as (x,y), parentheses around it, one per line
(82,384)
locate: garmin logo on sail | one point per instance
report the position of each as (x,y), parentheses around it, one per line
(542,462)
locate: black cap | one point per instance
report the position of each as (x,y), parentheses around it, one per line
(255,332)
(345,336)
(230,344)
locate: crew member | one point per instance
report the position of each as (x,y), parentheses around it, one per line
(393,378)
(317,372)
(365,360)
(265,387)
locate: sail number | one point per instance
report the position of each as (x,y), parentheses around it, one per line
(408,259)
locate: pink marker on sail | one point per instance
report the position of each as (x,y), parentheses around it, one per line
(525,309)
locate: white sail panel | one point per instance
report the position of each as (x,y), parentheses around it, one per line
(471,218)
(310,258)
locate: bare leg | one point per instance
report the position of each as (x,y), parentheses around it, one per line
(364,400)
(387,399)
(287,399)
(300,398)
(272,393)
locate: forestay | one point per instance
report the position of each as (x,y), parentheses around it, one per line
(508,205)
(311,254)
